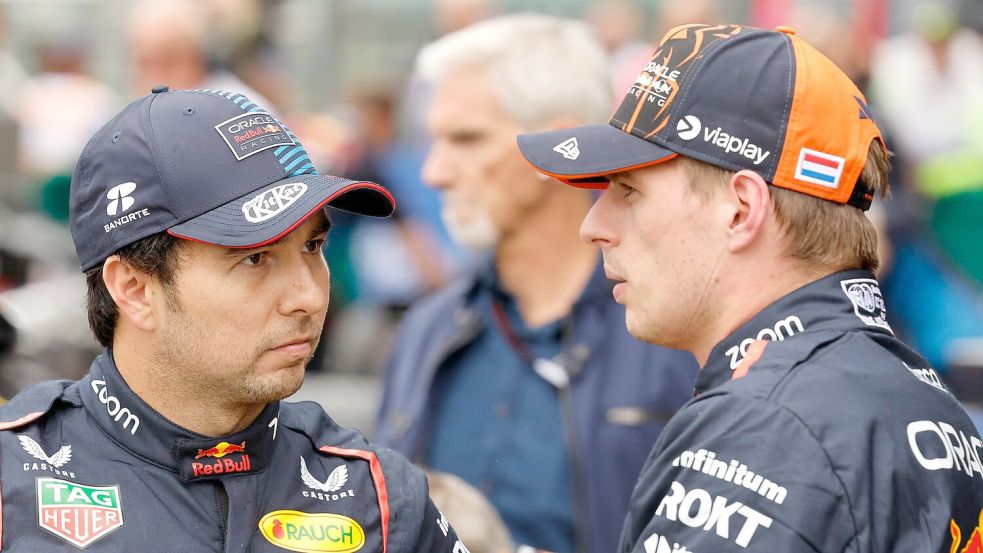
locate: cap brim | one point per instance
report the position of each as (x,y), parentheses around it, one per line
(277,209)
(582,156)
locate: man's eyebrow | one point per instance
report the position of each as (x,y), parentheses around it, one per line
(321,228)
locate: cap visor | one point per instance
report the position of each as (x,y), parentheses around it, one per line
(270,213)
(581,156)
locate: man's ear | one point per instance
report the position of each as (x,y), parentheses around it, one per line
(752,209)
(129,290)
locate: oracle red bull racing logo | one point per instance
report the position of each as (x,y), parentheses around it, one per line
(221,465)
(975,542)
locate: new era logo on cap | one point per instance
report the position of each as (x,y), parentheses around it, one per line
(819,168)
(568,148)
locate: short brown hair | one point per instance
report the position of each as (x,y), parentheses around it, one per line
(819,232)
(156,255)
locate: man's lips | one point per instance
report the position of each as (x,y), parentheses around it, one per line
(611,274)
(295,345)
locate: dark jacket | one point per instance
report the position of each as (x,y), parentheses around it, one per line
(621,393)
(88,464)
(835,437)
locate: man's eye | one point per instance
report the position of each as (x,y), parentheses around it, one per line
(626,190)
(314,246)
(254,259)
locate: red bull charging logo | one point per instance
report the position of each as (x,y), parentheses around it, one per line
(220,465)
(975,542)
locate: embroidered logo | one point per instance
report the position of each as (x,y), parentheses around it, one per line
(253,132)
(568,148)
(868,304)
(57,460)
(76,513)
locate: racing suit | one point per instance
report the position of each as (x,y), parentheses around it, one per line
(813,430)
(88,464)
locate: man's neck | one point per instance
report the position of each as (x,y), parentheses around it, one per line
(761,285)
(544,265)
(162,390)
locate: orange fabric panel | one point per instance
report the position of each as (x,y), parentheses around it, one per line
(825,119)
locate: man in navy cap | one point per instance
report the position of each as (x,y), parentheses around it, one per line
(199,220)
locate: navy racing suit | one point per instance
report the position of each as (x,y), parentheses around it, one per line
(88,464)
(813,430)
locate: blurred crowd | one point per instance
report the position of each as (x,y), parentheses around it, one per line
(919,62)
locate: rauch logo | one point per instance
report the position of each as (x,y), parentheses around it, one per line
(312,533)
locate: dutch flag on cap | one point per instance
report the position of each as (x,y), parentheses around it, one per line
(819,168)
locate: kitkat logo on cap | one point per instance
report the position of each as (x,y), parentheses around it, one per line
(268,204)
(253,132)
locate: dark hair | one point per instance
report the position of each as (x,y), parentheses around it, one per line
(156,255)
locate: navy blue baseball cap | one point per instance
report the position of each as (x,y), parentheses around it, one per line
(204,165)
(735,97)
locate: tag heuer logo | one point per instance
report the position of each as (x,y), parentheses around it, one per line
(270,203)
(568,148)
(78,514)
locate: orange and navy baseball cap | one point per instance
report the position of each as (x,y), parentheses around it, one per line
(733,96)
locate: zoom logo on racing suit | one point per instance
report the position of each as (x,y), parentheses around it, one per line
(114,408)
(783,329)
(939,446)
(696,508)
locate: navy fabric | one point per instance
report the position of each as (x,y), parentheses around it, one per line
(620,394)
(837,437)
(170,483)
(491,412)
(173,156)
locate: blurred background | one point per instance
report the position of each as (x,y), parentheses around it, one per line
(340,73)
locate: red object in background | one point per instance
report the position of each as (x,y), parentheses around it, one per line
(768,14)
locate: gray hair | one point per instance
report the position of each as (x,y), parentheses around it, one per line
(540,67)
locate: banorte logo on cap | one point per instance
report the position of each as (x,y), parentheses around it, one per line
(270,203)
(658,84)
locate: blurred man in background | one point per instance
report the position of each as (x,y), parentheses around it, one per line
(521,378)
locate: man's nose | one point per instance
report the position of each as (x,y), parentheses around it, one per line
(437,169)
(598,226)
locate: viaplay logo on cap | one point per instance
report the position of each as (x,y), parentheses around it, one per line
(253,132)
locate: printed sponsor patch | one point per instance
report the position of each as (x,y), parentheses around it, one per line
(660,544)
(253,132)
(76,513)
(819,168)
(868,303)
(568,148)
(312,532)
(270,203)
(330,489)
(697,508)
(975,542)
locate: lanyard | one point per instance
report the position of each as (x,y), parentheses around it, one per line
(516,343)
(550,370)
